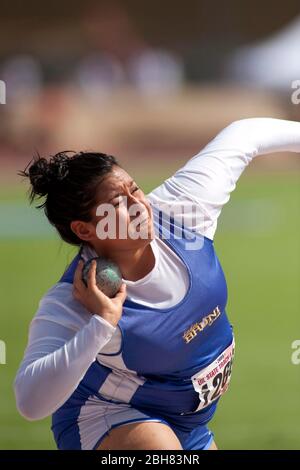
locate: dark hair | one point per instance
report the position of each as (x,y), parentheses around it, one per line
(68,183)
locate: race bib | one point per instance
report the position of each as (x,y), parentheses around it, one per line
(213,381)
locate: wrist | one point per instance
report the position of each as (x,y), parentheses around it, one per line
(105,322)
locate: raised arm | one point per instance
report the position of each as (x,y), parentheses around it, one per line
(208,178)
(55,361)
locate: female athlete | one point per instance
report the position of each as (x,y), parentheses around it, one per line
(145,369)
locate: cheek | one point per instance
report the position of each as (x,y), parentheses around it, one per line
(122,213)
(114,223)
(141,208)
(122,218)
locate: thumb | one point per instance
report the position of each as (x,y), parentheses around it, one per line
(122,294)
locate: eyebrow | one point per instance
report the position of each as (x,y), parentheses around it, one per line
(118,193)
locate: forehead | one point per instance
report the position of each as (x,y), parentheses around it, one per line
(114,181)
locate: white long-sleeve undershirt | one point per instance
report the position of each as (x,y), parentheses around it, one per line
(55,361)
(208,179)
(64,338)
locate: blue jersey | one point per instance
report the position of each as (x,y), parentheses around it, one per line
(167,347)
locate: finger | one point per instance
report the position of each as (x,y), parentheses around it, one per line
(76,294)
(78,282)
(91,277)
(122,294)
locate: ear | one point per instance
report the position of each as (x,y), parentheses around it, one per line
(84,230)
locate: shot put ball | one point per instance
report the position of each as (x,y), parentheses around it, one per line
(108,276)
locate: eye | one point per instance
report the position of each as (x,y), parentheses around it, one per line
(116,204)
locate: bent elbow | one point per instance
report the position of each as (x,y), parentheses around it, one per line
(27,411)
(25,403)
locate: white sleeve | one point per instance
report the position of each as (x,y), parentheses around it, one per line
(55,361)
(206,180)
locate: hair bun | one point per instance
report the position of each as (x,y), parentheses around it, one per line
(44,175)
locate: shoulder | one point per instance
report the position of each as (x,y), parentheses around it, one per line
(59,306)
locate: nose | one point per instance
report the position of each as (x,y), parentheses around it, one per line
(132,200)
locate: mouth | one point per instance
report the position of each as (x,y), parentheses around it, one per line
(142,225)
(145,223)
(147,219)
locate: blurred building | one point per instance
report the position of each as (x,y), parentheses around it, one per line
(273,62)
(141,78)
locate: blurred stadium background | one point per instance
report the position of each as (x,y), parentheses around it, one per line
(152,82)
